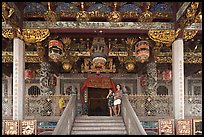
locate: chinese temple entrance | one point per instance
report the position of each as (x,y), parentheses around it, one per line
(98,103)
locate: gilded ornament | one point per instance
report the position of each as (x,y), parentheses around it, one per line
(7,33)
(115,15)
(51,15)
(82,15)
(40,50)
(66,40)
(163,36)
(35,35)
(67,66)
(146,16)
(130,67)
(6,11)
(189,34)
(198,18)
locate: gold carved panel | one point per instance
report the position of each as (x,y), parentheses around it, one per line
(11,127)
(88,66)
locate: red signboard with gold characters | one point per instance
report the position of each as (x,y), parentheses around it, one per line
(11,127)
(19,127)
(28,127)
(166,126)
(184,127)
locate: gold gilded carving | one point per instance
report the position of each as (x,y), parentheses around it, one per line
(82,15)
(40,50)
(7,33)
(146,16)
(35,35)
(168,36)
(51,15)
(189,34)
(115,15)
(163,36)
(6,11)
(88,66)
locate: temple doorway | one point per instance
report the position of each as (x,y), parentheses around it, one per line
(98,103)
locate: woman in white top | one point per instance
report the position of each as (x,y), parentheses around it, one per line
(117,99)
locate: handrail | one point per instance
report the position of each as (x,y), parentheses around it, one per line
(133,124)
(65,123)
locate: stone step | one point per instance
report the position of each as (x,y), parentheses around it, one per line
(98,120)
(101,132)
(99,124)
(98,117)
(98,128)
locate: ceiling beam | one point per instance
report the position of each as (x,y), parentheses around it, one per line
(63,26)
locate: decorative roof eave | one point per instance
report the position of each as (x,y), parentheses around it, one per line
(101,25)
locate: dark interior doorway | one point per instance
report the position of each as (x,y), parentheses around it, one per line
(98,103)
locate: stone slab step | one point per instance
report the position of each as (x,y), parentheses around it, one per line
(99,124)
(98,120)
(104,132)
(98,128)
(98,117)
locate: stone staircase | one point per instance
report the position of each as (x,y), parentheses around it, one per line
(98,125)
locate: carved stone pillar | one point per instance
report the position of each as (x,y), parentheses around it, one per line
(151,88)
(45,88)
(178,78)
(18,78)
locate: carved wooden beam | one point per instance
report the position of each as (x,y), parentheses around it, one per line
(162,57)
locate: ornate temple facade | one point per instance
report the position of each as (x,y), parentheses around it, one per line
(80,50)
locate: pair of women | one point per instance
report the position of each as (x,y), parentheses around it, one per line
(114,100)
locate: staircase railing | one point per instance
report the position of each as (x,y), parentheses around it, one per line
(66,121)
(133,124)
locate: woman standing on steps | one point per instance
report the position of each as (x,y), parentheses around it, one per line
(117,99)
(110,101)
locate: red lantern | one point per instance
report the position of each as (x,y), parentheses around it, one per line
(55,50)
(142,51)
(29,74)
(53,81)
(143,82)
(166,75)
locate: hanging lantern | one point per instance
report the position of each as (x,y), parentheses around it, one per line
(142,51)
(166,75)
(99,54)
(55,50)
(143,81)
(29,74)
(53,81)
